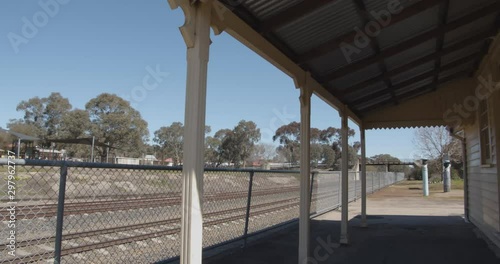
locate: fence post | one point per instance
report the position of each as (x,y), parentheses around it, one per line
(312,184)
(60,213)
(249,202)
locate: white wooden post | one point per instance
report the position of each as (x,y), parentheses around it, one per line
(344,239)
(363,177)
(196,34)
(305,173)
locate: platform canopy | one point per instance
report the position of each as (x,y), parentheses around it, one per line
(367,54)
(19,136)
(381,63)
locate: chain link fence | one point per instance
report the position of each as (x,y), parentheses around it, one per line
(68,212)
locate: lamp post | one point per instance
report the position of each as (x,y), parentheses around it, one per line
(446,173)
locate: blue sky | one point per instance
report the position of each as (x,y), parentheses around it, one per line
(89,47)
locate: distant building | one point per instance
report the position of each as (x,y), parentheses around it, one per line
(150,160)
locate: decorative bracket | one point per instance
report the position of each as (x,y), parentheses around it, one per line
(188,30)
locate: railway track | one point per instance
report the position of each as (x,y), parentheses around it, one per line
(257,210)
(76,208)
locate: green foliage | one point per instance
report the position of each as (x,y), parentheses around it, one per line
(42,116)
(170,141)
(115,122)
(416,174)
(234,146)
(383,158)
(289,139)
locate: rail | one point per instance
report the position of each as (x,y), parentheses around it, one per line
(71,212)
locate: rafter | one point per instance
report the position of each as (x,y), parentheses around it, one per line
(409,94)
(349,37)
(443,16)
(374,44)
(452,77)
(291,14)
(414,41)
(429,58)
(418,78)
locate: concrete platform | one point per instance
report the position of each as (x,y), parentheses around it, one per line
(404,227)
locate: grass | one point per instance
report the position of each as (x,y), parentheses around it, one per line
(455,185)
(438,186)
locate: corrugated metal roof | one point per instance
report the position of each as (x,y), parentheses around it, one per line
(458,7)
(263,9)
(462,53)
(316,28)
(414,86)
(379,5)
(337,59)
(304,38)
(411,54)
(426,67)
(356,77)
(373,101)
(463,67)
(370,89)
(469,30)
(408,28)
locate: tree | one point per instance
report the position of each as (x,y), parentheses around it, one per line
(115,122)
(289,139)
(44,114)
(239,143)
(214,153)
(75,124)
(56,107)
(333,137)
(170,141)
(384,158)
(5,140)
(316,147)
(23,127)
(34,110)
(434,143)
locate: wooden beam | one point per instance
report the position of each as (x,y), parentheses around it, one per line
(374,44)
(418,78)
(443,16)
(291,14)
(431,57)
(413,42)
(349,37)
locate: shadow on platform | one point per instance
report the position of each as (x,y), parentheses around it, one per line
(389,239)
